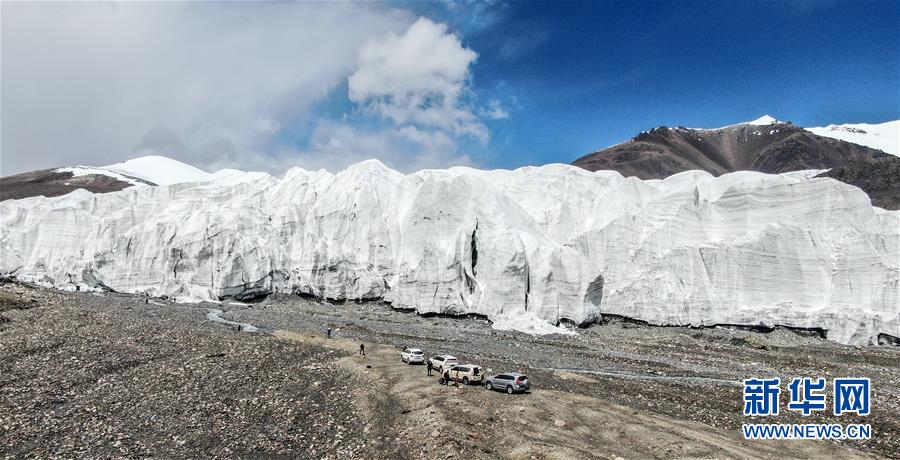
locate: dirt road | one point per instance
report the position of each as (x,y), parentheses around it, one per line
(432,421)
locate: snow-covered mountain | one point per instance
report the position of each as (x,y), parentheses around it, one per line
(764,121)
(159,170)
(152,169)
(147,170)
(529,248)
(882,136)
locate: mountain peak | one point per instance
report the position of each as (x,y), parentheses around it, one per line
(765,145)
(763,120)
(159,170)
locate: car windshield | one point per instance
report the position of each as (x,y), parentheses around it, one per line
(522,377)
(417,352)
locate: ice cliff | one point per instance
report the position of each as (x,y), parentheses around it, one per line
(544,244)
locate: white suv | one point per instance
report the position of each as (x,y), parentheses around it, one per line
(412,355)
(466,373)
(441,362)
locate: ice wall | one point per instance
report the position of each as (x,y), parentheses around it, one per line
(548,244)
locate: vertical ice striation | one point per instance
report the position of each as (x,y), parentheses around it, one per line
(545,244)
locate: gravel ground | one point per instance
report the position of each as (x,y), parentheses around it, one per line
(683,373)
(92,376)
(123,376)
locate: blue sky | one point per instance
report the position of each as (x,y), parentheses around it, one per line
(269,86)
(586,75)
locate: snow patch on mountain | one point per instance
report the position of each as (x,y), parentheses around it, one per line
(763,121)
(152,169)
(882,136)
(539,244)
(160,170)
(87,171)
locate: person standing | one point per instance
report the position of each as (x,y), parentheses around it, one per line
(428,366)
(328,332)
(362,349)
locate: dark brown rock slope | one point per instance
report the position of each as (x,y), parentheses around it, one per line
(880,178)
(774,148)
(50,182)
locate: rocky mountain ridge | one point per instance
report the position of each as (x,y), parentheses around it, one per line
(765,145)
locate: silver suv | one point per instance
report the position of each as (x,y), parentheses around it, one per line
(511,382)
(412,355)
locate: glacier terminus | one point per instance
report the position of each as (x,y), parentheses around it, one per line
(531,249)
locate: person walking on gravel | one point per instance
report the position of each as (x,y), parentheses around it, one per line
(329,332)
(428,366)
(362,349)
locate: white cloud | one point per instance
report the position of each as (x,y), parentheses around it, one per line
(495,110)
(234,85)
(416,105)
(208,83)
(418,77)
(336,145)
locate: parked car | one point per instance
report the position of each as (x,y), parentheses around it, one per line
(441,362)
(466,373)
(511,382)
(412,355)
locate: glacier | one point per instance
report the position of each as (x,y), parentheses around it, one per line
(547,245)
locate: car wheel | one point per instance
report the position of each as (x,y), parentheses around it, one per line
(465,380)
(489,386)
(509,389)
